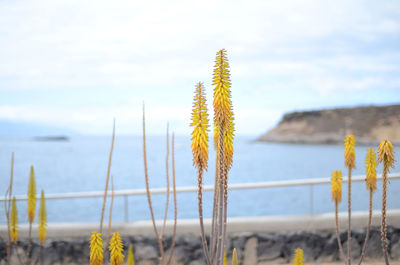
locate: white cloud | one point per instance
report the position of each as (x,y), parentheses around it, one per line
(165,46)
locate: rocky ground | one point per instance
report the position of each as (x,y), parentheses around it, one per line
(253,248)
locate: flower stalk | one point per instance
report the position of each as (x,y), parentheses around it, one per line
(350,163)
(370,181)
(386,156)
(336,190)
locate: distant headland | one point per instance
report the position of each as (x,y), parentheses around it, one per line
(369,124)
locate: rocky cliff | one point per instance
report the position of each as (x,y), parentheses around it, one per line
(370,124)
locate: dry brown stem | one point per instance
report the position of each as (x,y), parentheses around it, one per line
(108,179)
(338,234)
(7,206)
(146,175)
(349,216)
(167,193)
(368,228)
(175,201)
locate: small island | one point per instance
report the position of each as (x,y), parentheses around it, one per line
(51,138)
(369,124)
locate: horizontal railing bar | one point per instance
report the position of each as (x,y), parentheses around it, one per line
(237,186)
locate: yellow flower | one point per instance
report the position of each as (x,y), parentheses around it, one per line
(200,130)
(349,152)
(336,187)
(222,94)
(223,114)
(298,257)
(42,219)
(234,257)
(14,222)
(96,249)
(31,196)
(370,166)
(386,154)
(116,249)
(131,258)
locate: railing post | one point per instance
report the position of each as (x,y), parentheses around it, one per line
(311,199)
(126,209)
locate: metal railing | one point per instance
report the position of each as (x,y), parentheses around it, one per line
(241,186)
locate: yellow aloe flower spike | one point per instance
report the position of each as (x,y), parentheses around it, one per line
(386,154)
(222,94)
(116,249)
(200,130)
(96,249)
(298,257)
(336,186)
(42,219)
(225,262)
(370,166)
(31,196)
(14,221)
(234,257)
(131,258)
(349,152)
(223,114)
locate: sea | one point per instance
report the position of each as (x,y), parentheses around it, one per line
(79,164)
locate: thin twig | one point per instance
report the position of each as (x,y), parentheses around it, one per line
(349,217)
(213,237)
(200,206)
(108,178)
(167,193)
(368,228)
(7,206)
(18,255)
(28,256)
(110,214)
(146,175)
(383,224)
(39,255)
(338,234)
(175,201)
(220,242)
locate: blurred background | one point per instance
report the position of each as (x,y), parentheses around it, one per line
(67,68)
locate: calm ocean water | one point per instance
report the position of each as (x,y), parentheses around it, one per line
(80,164)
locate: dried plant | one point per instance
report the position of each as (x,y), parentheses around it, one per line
(131,259)
(108,178)
(386,156)
(110,211)
(96,249)
(158,235)
(350,163)
(336,190)
(298,258)
(116,248)
(370,180)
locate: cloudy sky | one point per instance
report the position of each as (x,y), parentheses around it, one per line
(77,64)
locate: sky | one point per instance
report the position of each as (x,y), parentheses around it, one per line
(77,64)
